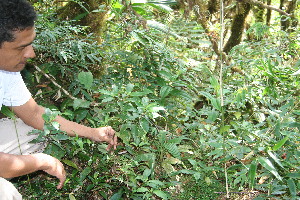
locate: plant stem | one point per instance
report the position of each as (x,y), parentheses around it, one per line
(221,92)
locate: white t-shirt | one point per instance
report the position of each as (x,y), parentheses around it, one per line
(13,91)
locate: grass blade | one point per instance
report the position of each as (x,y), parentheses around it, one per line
(280,144)
(266,163)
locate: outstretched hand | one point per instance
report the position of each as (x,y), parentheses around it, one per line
(106,134)
(53,167)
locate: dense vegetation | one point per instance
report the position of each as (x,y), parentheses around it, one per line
(193,122)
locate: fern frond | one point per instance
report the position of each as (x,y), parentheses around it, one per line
(172,149)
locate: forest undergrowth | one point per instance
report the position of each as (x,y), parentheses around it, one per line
(189,127)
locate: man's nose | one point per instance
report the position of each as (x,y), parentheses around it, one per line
(29,52)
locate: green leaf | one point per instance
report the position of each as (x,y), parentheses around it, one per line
(61,136)
(86,78)
(118,195)
(64,55)
(252,174)
(80,143)
(266,163)
(293,175)
(143,93)
(155,183)
(55,125)
(161,194)
(81,114)
(146,173)
(7,112)
(274,157)
(165,91)
(163,8)
(84,173)
(135,134)
(214,82)
(144,125)
(161,27)
(80,103)
(125,134)
(166,75)
(292,187)
(108,99)
(294,125)
(217,104)
(280,143)
(80,16)
(185,171)
(72,197)
(139,9)
(214,101)
(207,95)
(172,149)
(142,190)
(129,87)
(70,163)
(224,129)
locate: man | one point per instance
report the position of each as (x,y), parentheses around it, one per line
(17,156)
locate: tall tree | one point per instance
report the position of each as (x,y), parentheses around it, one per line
(269,12)
(289,7)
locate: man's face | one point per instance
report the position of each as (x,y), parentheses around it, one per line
(13,55)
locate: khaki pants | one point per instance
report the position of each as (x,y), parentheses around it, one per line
(14,139)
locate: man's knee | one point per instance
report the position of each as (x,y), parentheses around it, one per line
(8,191)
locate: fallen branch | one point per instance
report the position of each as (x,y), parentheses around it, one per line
(54,82)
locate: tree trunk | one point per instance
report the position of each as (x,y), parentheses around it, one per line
(237,27)
(269,12)
(87,13)
(289,7)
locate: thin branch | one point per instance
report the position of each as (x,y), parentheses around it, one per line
(260,4)
(54,82)
(251,192)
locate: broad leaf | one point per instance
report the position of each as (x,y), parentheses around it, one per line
(86,78)
(118,195)
(165,91)
(80,103)
(161,194)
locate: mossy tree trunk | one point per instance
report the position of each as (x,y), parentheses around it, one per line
(91,13)
(237,27)
(289,7)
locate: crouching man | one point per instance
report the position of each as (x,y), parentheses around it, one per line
(17,155)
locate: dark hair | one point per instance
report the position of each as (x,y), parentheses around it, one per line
(15,15)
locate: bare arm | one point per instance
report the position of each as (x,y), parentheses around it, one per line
(17,165)
(31,113)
